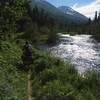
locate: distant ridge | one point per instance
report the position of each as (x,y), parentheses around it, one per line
(70,12)
(59,13)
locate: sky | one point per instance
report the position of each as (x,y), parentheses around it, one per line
(86,7)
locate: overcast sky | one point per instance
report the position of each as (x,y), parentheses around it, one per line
(86,7)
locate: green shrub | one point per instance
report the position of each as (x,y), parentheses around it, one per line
(58,80)
(52,79)
(13,84)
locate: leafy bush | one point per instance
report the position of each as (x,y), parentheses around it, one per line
(13,84)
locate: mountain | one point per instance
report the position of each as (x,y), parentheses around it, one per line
(72,13)
(58,13)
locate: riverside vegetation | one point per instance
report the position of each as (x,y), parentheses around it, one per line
(51,78)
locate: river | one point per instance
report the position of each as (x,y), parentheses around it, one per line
(83,51)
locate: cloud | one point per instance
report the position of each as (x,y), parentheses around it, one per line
(75,5)
(88,10)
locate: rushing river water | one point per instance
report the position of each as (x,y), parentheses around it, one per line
(81,50)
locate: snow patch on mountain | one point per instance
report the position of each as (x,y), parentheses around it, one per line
(70,11)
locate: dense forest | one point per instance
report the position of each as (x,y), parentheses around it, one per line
(92,27)
(48,77)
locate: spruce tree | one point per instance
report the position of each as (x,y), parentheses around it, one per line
(96,16)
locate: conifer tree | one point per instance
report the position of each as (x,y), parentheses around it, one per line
(96,16)
(11,11)
(99,16)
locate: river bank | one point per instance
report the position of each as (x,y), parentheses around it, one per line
(81,50)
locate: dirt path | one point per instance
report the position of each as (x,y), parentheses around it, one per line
(29,85)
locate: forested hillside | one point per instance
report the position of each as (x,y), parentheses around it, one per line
(93,27)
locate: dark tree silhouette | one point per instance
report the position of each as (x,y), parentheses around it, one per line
(99,16)
(96,16)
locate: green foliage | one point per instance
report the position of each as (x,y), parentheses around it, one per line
(13,84)
(11,11)
(52,37)
(53,79)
